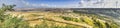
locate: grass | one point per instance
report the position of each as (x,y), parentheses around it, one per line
(52,20)
(95,22)
(51,24)
(91,20)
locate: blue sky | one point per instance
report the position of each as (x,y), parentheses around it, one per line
(63,3)
(43,3)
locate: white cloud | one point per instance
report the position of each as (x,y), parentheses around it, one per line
(38,5)
(101,4)
(43,4)
(34,5)
(71,6)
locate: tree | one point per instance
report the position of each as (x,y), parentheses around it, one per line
(5,8)
(8,7)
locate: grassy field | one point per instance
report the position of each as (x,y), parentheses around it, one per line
(48,19)
(65,20)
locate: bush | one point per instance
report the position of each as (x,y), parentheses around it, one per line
(7,21)
(95,22)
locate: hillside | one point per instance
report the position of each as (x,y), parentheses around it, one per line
(66,18)
(59,17)
(113,13)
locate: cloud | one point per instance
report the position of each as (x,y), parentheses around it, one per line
(100,4)
(42,5)
(70,6)
(34,5)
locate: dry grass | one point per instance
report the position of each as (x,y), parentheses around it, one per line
(84,20)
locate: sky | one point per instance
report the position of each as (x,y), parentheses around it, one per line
(63,3)
(42,3)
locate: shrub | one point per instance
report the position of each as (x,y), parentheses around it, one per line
(7,21)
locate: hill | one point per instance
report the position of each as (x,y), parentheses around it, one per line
(78,18)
